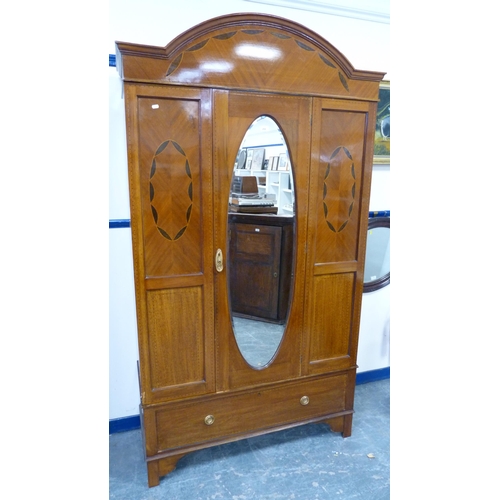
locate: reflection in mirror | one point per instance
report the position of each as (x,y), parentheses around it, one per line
(377,263)
(261,240)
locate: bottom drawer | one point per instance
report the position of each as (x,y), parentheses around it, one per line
(223,416)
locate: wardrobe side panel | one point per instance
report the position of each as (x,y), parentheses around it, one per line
(170,171)
(175,332)
(336,220)
(170,159)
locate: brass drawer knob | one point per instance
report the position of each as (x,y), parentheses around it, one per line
(209,419)
(304,400)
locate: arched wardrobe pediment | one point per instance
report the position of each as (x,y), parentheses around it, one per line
(189,106)
(245,52)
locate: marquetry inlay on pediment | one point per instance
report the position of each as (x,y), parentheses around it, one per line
(249,52)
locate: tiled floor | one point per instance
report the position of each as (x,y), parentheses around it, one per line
(257,340)
(306,463)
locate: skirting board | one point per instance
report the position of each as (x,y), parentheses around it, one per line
(373,375)
(131,423)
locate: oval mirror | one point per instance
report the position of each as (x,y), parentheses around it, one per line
(377,263)
(261,241)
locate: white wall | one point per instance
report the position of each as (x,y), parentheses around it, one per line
(157,22)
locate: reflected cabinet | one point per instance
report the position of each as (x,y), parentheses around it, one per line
(203,253)
(260,269)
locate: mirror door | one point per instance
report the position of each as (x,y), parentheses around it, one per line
(234,113)
(260,241)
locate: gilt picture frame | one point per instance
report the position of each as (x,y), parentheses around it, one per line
(382,144)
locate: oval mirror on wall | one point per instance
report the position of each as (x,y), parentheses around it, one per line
(377,262)
(261,224)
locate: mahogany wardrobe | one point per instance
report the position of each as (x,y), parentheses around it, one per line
(188,107)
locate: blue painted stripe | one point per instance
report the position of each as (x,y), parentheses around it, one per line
(264,146)
(134,422)
(379,213)
(373,375)
(115,223)
(112,60)
(124,424)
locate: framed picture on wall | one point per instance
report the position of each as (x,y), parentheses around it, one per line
(249,158)
(242,159)
(282,162)
(382,146)
(258,158)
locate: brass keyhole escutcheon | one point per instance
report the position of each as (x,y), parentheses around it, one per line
(209,419)
(219,262)
(304,400)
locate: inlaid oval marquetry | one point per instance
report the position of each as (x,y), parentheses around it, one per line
(198,46)
(174,64)
(326,61)
(225,36)
(345,191)
(304,46)
(254,32)
(343,81)
(280,35)
(172,210)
